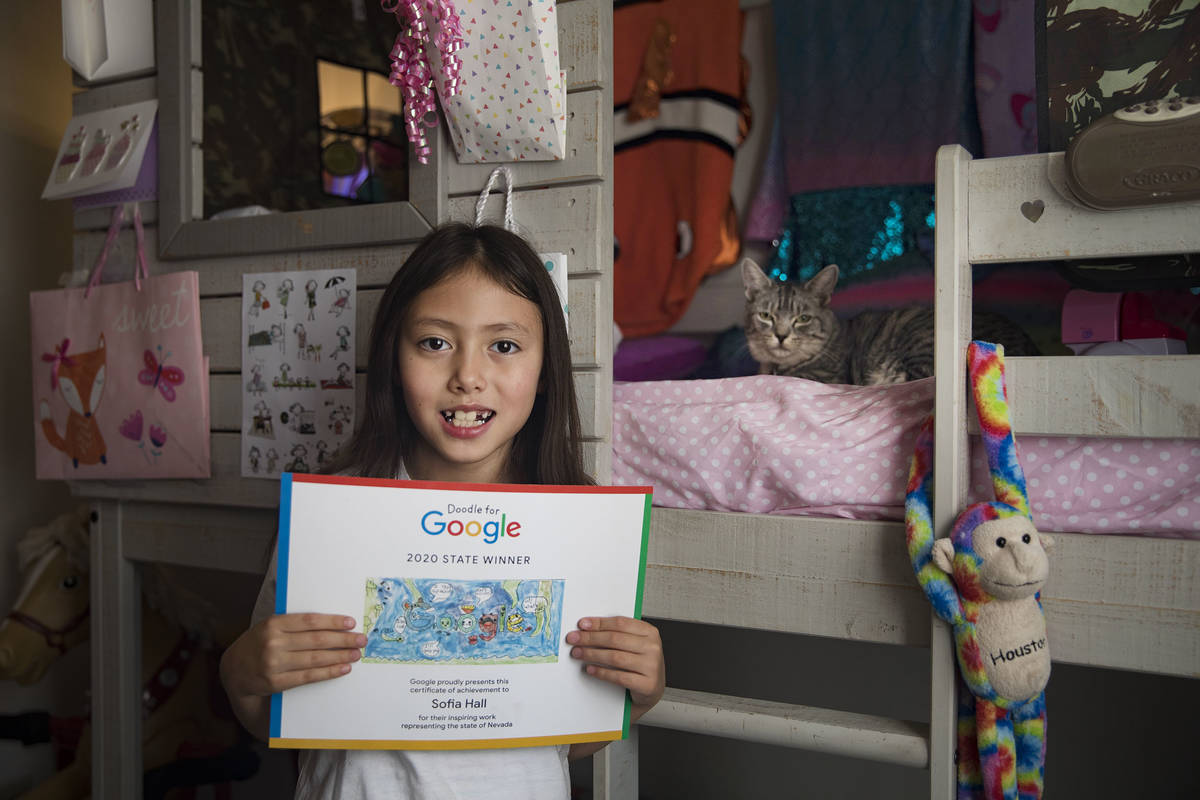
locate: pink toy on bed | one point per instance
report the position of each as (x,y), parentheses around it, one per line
(657,358)
(1117,324)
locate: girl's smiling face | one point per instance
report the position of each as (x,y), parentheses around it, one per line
(470,358)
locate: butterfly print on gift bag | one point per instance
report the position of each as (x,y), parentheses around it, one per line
(158,375)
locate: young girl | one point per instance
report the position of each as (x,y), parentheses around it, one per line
(468,379)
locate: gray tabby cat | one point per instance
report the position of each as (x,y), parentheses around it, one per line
(791,330)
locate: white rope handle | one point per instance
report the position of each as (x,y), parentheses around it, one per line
(509,224)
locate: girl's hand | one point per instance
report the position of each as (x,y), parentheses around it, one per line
(282,652)
(624,651)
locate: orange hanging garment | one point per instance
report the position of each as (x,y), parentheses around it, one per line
(678,88)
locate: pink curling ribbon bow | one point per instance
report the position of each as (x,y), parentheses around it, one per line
(57,358)
(412,72)
(114,227)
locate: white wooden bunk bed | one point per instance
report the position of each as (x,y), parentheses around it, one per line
(1112,601)
(834,578)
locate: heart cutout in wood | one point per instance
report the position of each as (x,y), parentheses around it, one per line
(1033,211)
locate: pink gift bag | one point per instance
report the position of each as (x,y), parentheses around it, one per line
(120,382)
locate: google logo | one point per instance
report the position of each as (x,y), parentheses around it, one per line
(433,524)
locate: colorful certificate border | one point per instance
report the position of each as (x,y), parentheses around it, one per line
(286,482)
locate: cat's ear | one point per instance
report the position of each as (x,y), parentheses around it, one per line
(754,280)
(823,283)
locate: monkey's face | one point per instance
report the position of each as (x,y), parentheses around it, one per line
(1014,563)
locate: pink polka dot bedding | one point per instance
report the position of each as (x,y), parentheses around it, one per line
(781,445)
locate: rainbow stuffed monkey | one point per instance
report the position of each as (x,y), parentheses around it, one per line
(984,579)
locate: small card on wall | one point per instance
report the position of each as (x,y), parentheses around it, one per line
(101,151)
(298,379)
(556,265)
(466,593)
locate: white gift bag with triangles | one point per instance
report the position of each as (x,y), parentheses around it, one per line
(512,98)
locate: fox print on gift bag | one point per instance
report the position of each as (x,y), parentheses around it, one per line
(79,379)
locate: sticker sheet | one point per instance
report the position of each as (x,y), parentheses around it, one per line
(465,593)
(298,381)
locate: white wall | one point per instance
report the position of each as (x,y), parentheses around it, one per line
(35,247)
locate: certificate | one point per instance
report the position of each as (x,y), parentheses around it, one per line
(466,593)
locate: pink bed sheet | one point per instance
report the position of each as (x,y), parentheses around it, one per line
(779,445)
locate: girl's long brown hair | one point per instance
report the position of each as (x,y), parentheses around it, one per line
(547,448)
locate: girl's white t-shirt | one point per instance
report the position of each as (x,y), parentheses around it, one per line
(520,773)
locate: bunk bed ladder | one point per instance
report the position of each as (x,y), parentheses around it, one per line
(952,314)
(821,730)
(1112,396)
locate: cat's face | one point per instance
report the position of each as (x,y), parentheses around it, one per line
(787,324)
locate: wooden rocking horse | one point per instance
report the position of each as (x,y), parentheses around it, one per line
(187,742)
